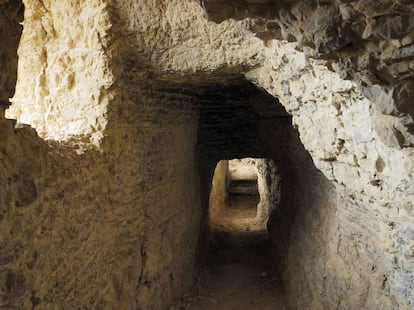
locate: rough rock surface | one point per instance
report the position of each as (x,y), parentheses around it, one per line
(268,182)
(64,73)
(114,227)
(85,229)
(118,225)
(11,14)
(218,193)
(373,181)
(370,42)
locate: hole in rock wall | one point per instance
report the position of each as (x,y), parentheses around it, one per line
(243,194)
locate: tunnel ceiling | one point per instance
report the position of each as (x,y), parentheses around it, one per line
(367,41)
(235,115)
(231,119)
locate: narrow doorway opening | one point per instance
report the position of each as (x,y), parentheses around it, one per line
(244,191)
(240,272)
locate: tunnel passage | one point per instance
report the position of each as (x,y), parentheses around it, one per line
(239,120)
(244,191)
(114,204)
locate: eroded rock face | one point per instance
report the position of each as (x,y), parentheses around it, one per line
(268,183)
(64,73)
(352,144)
(369,42)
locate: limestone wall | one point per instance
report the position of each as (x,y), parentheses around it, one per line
(346,94)
(244,168)
(115,226)
(218,193)
(268,183)
(368,174)
(301,227)
(370,42)
(63,69)
(98,230)
(175,37)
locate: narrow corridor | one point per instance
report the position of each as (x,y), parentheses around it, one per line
(239,273)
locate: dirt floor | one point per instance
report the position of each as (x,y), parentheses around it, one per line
(239,273)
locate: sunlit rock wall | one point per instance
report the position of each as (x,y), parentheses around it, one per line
(373,180)
(175,37)
(370,42)
(243,168)
(63,69)
(346,80)
(218,193)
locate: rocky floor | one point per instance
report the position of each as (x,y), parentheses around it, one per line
(239,273)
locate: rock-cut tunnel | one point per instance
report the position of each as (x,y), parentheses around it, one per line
(251,165)
(183,154)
